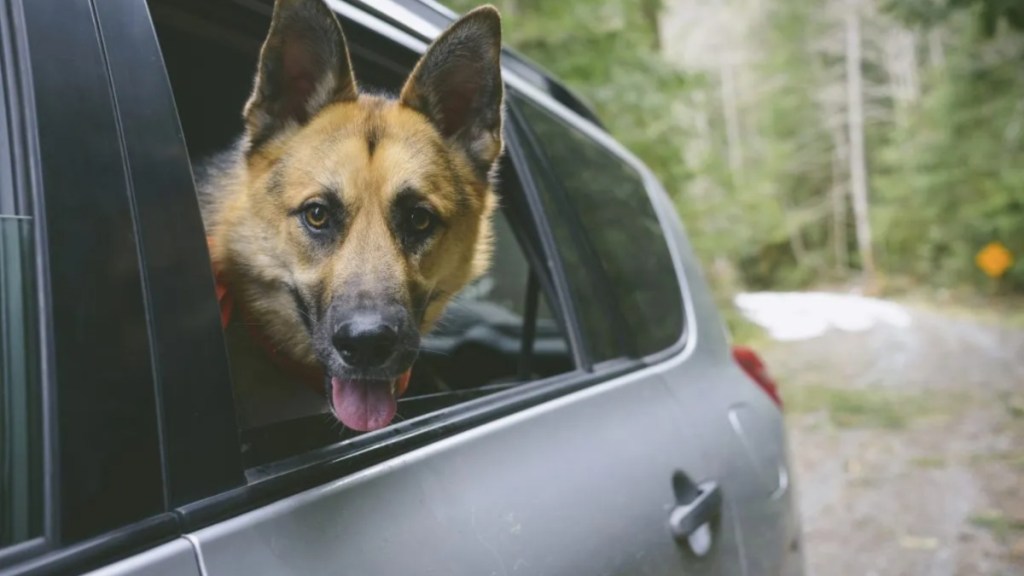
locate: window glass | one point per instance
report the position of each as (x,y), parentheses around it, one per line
(20,435)
(610,203)
(490,338)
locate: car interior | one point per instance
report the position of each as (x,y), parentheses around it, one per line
(499,332)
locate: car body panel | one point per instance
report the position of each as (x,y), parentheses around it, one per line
(579,485)
(740,430)
(176,558)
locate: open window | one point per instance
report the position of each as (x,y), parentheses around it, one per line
(500,332)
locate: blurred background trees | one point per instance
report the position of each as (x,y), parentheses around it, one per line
(803,139)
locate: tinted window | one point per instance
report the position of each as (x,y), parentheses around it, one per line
(611,205)
(20,434)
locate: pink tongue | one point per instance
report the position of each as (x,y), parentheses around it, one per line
(363,405)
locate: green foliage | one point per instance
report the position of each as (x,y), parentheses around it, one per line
(946,166)
(925,13)
(951,179)
(989,13)
(607,51)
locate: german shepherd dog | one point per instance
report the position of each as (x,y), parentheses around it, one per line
(343,222)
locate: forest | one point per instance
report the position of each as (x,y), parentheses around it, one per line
(811,143)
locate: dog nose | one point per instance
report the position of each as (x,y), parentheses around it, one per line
(365,341)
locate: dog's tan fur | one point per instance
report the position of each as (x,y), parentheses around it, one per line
(364,150)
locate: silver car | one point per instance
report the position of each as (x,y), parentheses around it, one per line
(580,410)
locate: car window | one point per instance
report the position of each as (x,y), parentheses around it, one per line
(598,317)
(609,202)
(21,510)
(497,333)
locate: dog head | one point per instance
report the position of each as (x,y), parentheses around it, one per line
(361,216)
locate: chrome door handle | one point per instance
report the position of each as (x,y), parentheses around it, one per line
(685,519)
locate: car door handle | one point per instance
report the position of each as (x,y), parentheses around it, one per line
(685,519)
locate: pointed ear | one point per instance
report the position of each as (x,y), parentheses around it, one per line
(304,65)
(457,86)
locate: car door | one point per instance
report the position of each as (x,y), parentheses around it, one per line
(574,470)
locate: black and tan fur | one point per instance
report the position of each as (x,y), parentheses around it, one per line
(373,170)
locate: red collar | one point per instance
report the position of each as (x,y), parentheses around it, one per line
(311,377)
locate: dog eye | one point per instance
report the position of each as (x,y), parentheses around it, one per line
(316,216)
(421,219)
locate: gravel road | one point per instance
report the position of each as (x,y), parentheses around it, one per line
(908,440)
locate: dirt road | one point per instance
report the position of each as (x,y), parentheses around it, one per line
(908,440)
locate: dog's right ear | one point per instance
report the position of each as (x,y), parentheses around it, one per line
(304,65)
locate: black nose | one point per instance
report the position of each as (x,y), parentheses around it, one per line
(365,341)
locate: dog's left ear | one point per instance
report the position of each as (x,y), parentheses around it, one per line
(457,85)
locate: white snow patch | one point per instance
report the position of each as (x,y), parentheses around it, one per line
(806,315)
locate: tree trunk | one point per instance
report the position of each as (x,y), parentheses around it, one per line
(730,109)
(840,251)
(796,244)
(855,121)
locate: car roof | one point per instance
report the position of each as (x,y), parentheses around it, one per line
(405,13)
